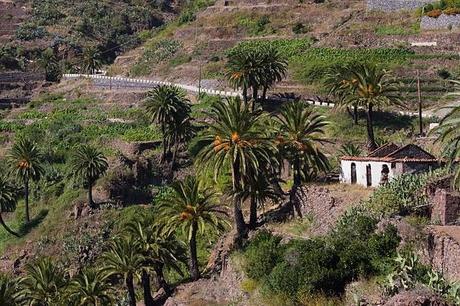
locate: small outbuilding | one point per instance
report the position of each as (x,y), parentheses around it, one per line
(385,163)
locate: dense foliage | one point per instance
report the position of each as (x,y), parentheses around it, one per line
(321,265)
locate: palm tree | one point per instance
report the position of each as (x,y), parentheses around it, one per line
(192,209)
(159,251)
(8,290)
(449,137)
(123,259)
(91,60)
(167,106)
(273,68)
(90,288)
(179,133)
(88,164)
(26,162)
(301,132)
(50,64)
(7,202)
(350,149)
(372,87)
(341,82)
(236,141)
(243,71)
(44,283)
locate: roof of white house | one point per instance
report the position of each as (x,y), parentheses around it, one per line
(392,153)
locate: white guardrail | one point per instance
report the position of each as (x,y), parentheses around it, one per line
(122,82)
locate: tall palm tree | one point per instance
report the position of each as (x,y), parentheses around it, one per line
(350,149)
(7,202)
(449,137)
(159,251)
(372,87)
(44,283)
(26,163)
(124,259)
(236,141)
(243,71)
(179,133)
(273,68)
(91,60)
(8,290)
(301,132)
(88,164)
(341,82)
(167,106)
(192,209)
(90,287)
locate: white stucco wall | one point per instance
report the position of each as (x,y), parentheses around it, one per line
(361,179)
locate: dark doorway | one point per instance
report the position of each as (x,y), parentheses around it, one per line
(369,175)
(384,175)
(353,173)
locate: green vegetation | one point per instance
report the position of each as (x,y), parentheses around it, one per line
(321,265)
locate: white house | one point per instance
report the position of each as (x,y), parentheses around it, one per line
(385,163)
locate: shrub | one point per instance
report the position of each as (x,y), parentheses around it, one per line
(30,31)
(300,28)
(262,255)
(452,11)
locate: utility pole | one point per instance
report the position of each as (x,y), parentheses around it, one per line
(419,92)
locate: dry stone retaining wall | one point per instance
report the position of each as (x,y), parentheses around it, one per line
(442,22)
(444,252)
(395,5)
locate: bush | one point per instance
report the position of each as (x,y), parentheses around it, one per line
(30,31)
(262,255)
(452,11)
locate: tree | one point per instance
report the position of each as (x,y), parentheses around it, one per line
(350,149)
(26,162)
(159,251)
(341,82)
(91,60)
(449,137)
(192,209)
(50,64)
(88,164)
(301,131)
(7,202)
(123,259)
(273,68)
(167,106)
(243,71)
(90,288)
(372,87)
(43,284)
(8,290)
(235,142)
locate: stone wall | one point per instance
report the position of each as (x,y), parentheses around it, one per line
(442,22)
(395,5)
(444,251)
(445,207)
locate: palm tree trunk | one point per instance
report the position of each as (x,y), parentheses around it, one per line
(264,94)
(161,278)
(26,198)
(245,94)
(371,145)
(253,213)
(148,299)
(255,97)
(2,222)
(238,213)
(90,194)
(163,132)
(297,183)
(355,114)
(131,292)
(194,270)
(176,148)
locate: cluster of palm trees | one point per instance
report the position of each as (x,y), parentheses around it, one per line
(26,163)
(363,85)
(255,68)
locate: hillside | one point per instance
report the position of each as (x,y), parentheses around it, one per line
(327,192)
(307,31)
